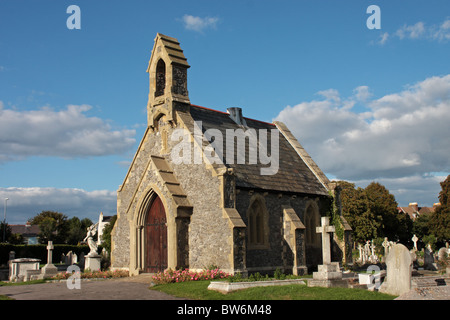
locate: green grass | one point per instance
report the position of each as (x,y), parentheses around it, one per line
(197,290)
(22,283)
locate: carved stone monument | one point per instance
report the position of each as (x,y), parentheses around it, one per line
(328,274)
(49,270)
(93,259)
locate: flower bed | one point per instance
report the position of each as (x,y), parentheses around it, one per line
(93,275)
(170,276)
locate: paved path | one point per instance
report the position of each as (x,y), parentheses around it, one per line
(137,288)
(427,293)
(133,288)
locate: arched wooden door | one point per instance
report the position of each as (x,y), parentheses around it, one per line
(156,237)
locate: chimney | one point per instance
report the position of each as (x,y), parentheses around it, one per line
(236,115)
(415,206)
(436,204)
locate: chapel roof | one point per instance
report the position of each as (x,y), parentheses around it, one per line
(294,174)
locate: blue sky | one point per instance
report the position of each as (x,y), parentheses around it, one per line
(367,104)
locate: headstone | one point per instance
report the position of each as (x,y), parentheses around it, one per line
(68,259)
(366,251)
(442,254)
(82,259)
(328,274)
(373,257)
(428,259)
(360,248)
(415,239)
(325,230)
(398,273)
(49,270)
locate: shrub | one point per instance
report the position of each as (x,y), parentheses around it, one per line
(171,276)
(93,275)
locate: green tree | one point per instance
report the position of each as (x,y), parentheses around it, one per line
(393,225)
(372,212)
(52,225)
(5,231)
(356,211)
(106,236)
(440,219)
(76,229)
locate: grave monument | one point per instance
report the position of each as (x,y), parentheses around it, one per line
(93,259)
(399,269)
(329,273)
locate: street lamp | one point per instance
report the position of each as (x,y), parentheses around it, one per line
(4,220)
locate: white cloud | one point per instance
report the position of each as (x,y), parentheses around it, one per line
(383,38)
(25,203)
(412,32)
(402,135)
(199,24)
(420,31)
(67,133)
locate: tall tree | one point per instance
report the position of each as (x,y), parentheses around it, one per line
(76,230)
(52,225)
(106,236)
(372,212)
(356,211)
(395,226)
(440,219)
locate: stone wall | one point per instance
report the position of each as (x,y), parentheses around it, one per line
(278,253)
(209,232)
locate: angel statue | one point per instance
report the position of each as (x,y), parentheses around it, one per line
(91,231)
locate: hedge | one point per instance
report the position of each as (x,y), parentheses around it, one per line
(39,251)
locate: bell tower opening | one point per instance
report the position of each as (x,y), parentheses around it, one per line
(160,78)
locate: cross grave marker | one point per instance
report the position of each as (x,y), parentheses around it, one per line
(325,230)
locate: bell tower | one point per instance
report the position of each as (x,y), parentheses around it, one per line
(167,69)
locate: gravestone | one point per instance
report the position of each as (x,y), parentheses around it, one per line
(442,254)
(373,257)
(415,239)
(386,247)
(19,269)
(398,273)
(428,259)
(329,273)
(49,270)
(360,248)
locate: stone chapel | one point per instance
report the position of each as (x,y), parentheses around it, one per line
(202,213)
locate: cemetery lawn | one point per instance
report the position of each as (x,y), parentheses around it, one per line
(22,283)
(197,290)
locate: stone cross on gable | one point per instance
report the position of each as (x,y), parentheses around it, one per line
(49,252)
(415,239)
(325,230)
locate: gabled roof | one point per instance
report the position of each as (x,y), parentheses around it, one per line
(25,230)
(293,175)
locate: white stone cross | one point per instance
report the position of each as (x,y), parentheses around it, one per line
(415,239)
(325,230)
(49,252)
(360,248)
